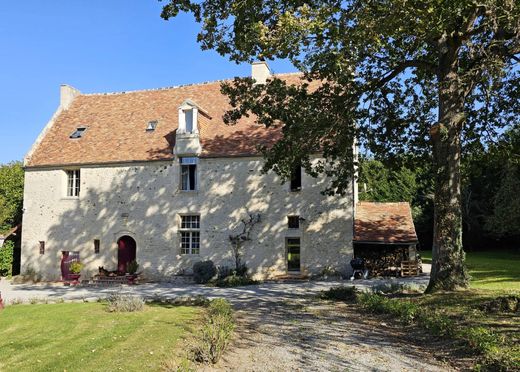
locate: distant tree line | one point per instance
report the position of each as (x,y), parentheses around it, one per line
(490,191)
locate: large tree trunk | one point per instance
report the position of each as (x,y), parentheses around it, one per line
(448,267)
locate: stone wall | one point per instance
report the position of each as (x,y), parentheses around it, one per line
(143,200)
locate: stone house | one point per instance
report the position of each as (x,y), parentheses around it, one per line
(156,176)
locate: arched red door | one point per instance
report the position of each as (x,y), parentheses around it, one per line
(126,247)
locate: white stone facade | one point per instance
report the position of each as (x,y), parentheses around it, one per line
(143,200)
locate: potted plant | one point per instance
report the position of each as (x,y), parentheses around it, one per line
(75,270)
(132,273)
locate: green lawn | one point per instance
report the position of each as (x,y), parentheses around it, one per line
(493,270)
(85,337)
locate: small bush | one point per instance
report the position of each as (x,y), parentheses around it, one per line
(479,338)
(125,303)
(132,267)
(204,271)
(406,311)
(435,322)
(240,271)
(234,281)
(340,293)
(75,267)
(216,332)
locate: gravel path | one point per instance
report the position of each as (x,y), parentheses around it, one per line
(309,335)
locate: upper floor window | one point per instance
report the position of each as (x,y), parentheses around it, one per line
(190,234)
(73,182)
(296,178)
(188,173)
(293,222)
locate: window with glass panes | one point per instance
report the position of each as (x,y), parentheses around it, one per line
(73,182)
(190,234)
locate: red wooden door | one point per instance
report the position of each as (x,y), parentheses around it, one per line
(125,252)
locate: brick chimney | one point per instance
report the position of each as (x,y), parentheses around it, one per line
(260,72)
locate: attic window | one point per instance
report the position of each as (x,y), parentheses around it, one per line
(78,133)
(151,125)
(188,116)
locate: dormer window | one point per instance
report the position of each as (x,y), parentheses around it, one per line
(78,133)
(151,125)
(188,117)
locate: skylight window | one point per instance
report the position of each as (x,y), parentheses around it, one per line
(151,125)
(78,133)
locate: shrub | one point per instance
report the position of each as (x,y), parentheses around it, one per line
(234,281)
(132,267)
(6,259)
(216,332)
(204,271)
(340,293)
(118,302)
(480,339)
(75,267)
(240,271)
(406,311)
(435,322)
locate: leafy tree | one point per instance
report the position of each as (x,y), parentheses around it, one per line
(11,195)
(423,77)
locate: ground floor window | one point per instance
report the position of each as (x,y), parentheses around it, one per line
(190,234)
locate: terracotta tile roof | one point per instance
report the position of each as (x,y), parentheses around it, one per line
(384,222)
(117,121)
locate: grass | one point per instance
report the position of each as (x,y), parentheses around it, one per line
(491,270)
(84,336)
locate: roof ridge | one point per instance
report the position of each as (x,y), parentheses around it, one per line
(154,89)
(173,86)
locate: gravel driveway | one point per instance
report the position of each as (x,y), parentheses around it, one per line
(267,292)
(280,326)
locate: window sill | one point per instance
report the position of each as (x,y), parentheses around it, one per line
(70,198)
(189,192)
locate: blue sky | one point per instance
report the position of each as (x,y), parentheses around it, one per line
(95,46)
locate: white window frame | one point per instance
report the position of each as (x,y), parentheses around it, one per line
(189,227)
(188,161)
(188,106)
(73,187)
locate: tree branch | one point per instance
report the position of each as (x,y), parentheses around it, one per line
(399,69)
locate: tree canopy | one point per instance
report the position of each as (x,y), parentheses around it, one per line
(11,195)
(433,78)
